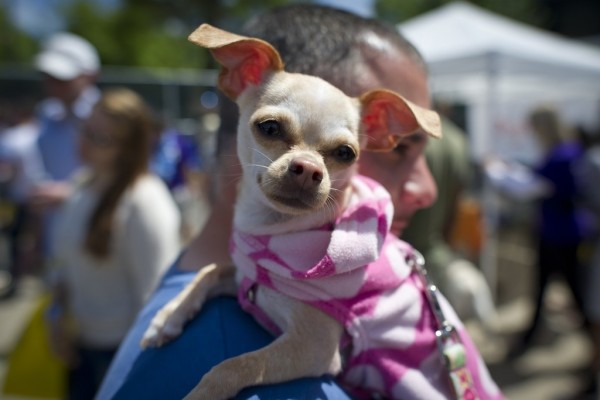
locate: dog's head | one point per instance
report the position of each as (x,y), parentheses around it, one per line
(299,137)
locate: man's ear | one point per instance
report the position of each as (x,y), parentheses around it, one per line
(244,59)
(387,116)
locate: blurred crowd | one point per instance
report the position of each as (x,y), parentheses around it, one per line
(42,149)
(563,190)
(93,187)
(91,179)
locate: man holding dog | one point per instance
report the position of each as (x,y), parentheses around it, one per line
(356,55)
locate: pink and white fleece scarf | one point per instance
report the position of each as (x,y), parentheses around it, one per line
(357,272)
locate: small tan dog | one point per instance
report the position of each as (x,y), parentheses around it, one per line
(298,141)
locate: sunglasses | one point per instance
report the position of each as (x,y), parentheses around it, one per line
(99,139)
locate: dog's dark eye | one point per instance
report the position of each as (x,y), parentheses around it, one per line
(270,128)
(344,153)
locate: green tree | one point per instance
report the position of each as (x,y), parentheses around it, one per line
(15,46)
(153,33)
(132,35)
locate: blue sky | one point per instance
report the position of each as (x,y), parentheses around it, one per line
(361,7)
(40,17)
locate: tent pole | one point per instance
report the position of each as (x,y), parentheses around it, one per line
(489,256)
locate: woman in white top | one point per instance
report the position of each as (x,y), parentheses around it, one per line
(118,232)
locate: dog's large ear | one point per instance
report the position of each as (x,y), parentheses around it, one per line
(387,116)
(244,59)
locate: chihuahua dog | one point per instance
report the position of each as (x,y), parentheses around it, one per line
(298,141)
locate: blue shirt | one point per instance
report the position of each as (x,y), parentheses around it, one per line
(57,145)
(221,330)
(59,132)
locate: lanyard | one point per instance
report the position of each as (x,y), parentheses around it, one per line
(449,344)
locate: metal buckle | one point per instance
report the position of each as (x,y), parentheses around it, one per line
(251,293)
(445,328)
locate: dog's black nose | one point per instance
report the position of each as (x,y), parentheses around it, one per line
(305,172)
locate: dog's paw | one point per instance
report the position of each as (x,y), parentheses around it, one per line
(166,325)
(158,336)
(215,385)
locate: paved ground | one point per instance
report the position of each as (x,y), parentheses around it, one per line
(549,370)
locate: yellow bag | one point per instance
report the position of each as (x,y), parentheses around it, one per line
(33,369)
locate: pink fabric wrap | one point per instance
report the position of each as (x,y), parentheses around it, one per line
(357,272)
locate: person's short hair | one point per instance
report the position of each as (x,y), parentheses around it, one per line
(65,56)
(321,41)
(326,42)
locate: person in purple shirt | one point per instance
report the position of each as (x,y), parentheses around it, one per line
(561,220)
(177,160)
(175,155)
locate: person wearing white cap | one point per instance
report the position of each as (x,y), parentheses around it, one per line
(66,56)
(69,65)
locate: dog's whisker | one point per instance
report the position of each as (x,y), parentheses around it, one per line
(343,180)
(263,154)
(269,183)
(330,207)
(233,180)
(256,165)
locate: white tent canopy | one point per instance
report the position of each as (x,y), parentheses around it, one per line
(500,69)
